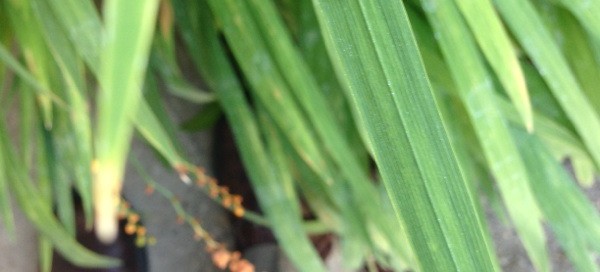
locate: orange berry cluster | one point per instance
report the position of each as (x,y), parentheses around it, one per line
(230,201)
(222,258)
(133,225)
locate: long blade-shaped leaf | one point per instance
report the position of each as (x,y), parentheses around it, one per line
(494,43)
(527,26)
(282,195)
(80,124)
(35,53)
(83,27)
(164,61)
(213,64)
(129,29)
(587,12)
(577,49)
(376,58)
(574,221)
(270,89)
(5,206)
(27,77)
(303,86)
(477,93)
(6,213)
(562,140)
(34,206)
(148,125)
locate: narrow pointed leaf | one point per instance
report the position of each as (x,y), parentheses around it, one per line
(38,87)
(303,86)
(82,24)
(498,50)
(376,58)
(34,206)
(477,93)
(587,12)
(164,61)
(129,30)
(35,53)
(574,221)
(6,212)
(205,118)
(151,129)
(536,40)
(282,195)
(45,252)
(579,53)
(213,64)
(79,116)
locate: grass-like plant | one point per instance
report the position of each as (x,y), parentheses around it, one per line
(390,118)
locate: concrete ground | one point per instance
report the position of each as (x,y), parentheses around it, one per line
(18,250)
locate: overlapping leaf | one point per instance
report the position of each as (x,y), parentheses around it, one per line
(376,58)
(129,30)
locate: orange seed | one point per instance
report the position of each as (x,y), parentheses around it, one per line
(221,258)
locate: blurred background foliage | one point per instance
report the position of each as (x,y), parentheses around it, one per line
(389,118)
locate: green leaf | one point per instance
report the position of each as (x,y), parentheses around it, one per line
(35,53)
(542,99)
(73,74)
(376,58)
(477,93)
(199,33)
(205,118)
(164,61)
(154,99)
(82,24)
(151,129)
(46,253)
(285,205)
(22,72)
(587,12)
(580,55)
(35,207)
(129,30)
(574,220)
(493,41)
(562,141)
(536,40)
(303,86)
(5,206)
(60,160)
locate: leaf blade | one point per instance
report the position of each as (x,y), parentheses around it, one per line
(129,29)
(545,54)
(363,70)
(494,42)
(477,93)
